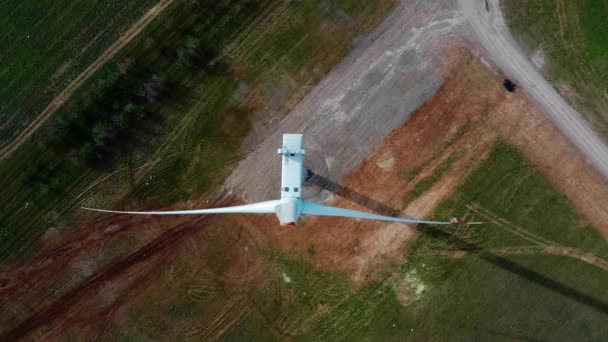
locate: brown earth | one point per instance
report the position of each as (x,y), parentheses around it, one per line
(470,111)
(450,124)
(518,122)
(67,280)
(223,263)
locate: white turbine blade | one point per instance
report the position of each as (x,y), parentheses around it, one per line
(255,208)
(311,208)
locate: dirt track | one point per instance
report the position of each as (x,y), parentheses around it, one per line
(349,117)
(86,290)
(540,245)
(65,94)
(492,34)
(377,87)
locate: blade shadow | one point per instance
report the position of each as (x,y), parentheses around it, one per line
(507,336)
(351,195)
(487,256)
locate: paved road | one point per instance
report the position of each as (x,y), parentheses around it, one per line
(491,33)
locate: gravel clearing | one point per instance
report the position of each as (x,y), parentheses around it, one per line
(370,93)
(391,73)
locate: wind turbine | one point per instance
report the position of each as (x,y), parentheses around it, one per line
(291,205)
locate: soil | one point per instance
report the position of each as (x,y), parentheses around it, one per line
(47,284)
(450,124)
(374,161)
(470,111)
(460,123)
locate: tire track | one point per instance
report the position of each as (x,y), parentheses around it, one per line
(157,247)
(514,229)
(490,31)
(542,246)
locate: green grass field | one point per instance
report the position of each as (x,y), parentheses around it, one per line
(194,144)
(45,44)
(456,284)
(574,38)
(193,137)
(453,284)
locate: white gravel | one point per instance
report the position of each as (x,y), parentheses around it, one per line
(491,33)
(388,76)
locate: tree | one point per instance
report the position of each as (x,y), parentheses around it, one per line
(86,152)
(120,120)
(192,45)
(101,134)
(153,88)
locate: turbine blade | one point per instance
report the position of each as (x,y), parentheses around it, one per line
(254,208)
(311,208)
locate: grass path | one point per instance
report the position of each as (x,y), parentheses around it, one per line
(65,94)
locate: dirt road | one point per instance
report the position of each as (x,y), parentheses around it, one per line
(393,72)
(65,94)
(373,91)
(492,34)
(539,245)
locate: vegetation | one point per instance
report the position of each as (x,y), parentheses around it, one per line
(457,284)
(321,306)
(45,44)
(507,187)
(425,184)
(574,39)
(122,110)
(161,123)
(483,293)
(126,103)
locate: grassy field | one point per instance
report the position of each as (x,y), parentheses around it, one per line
(45,44)
(194,134)
(456,284)
(574,39)
(467,283)
(184,153)
(482,293)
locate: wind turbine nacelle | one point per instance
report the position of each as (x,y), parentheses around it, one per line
(289,210)
(292,160)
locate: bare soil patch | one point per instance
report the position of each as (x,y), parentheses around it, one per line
(64,298)
(470,111)
(448,126)
(457,127)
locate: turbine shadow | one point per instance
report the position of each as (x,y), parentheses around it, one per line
(487,256)
(507,336)
(351,195)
